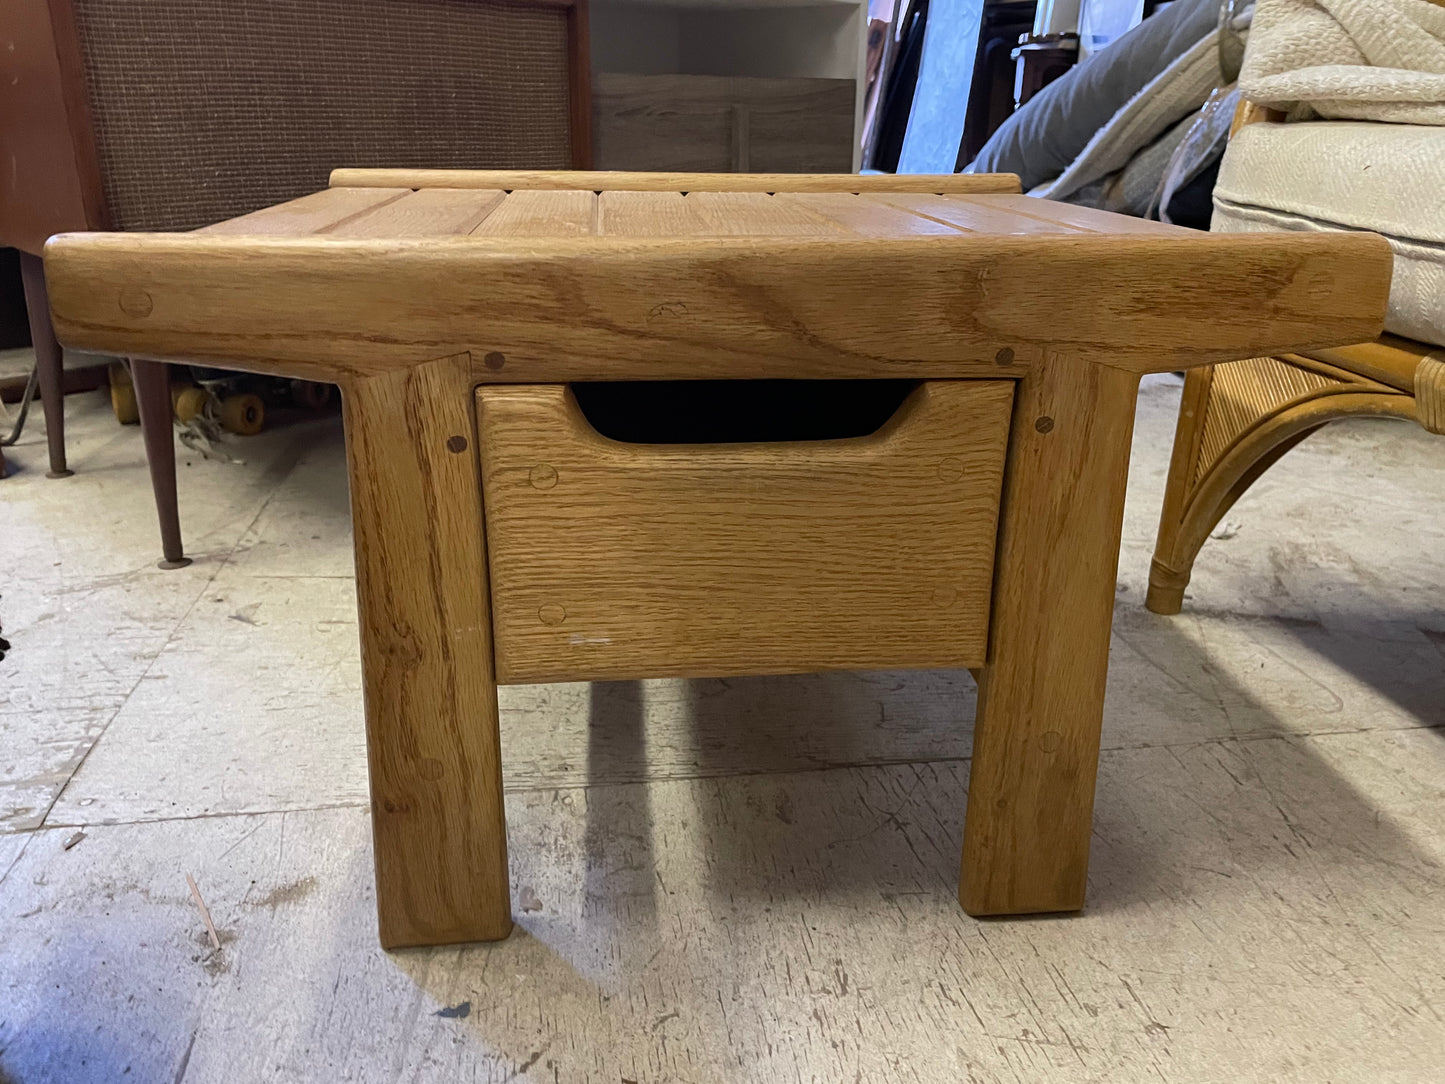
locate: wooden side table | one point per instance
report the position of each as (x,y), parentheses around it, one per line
(501,538)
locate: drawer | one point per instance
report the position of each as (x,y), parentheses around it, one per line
(613,560)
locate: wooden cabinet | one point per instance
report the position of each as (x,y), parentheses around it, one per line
(729,124)
(701,85)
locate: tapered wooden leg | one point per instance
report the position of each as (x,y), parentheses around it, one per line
(1041,692)
(152,381)
(426,652)
(48,361)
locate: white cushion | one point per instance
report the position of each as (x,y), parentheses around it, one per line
(1349,175)
(1380,60)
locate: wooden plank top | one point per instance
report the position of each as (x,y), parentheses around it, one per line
(623,181)
(403,214)
(681,277)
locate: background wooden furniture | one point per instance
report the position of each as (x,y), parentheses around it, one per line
(453,350)
(992,98)
(689,85)
(170,114)
(723,123)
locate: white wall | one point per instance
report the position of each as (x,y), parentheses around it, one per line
(639,39)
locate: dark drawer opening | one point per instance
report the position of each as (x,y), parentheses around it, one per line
(739,411)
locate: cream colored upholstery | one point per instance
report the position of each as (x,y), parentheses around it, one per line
(1349,175)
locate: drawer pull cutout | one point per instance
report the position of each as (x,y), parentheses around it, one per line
(739,411)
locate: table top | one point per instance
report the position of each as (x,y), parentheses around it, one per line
(547,278)
(393,213)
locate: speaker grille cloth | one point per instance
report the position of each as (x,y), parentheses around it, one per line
(206,109)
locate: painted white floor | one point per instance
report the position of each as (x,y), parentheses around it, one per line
(717,880)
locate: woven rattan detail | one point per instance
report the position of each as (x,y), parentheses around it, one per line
(1430,392)
(1242,392)
(206,110)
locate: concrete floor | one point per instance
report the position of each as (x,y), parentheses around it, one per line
(717,880)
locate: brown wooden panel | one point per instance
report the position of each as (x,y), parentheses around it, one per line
(650,214)
(1041,695)
(1086,218)
(431,704)
(316,213)
(701,214)
(803,128)
(579,85)
(613,560)
(661,122)
(582,308)
(706,122)
(541,214)
(974,216)
(49,180)
(622,180)
(432,212)
(868,218)
(757,214)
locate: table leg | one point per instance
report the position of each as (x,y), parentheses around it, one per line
(1041,693)
(431,695)
(49,361)
(152,383)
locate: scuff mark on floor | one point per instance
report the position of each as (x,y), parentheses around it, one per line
(247,614)
(185,1060)
(291,892)
(535,1057)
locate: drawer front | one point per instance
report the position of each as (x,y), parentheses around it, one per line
(613,560)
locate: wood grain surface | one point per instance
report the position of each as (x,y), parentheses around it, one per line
(426,652)
(614,560)
(431,212)
(662,181)
(702,122)
(1088,218)
(586,308)
(618,560)
(868,217)
(539,213)
(985,217)
(746,214)
(650,214)
(1041,693)
(317,213)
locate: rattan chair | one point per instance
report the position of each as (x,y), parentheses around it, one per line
(1237,419)
(170,114)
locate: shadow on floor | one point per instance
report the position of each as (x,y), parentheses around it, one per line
(772,831)
(1263,827)
(617,844)
(1400,656)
